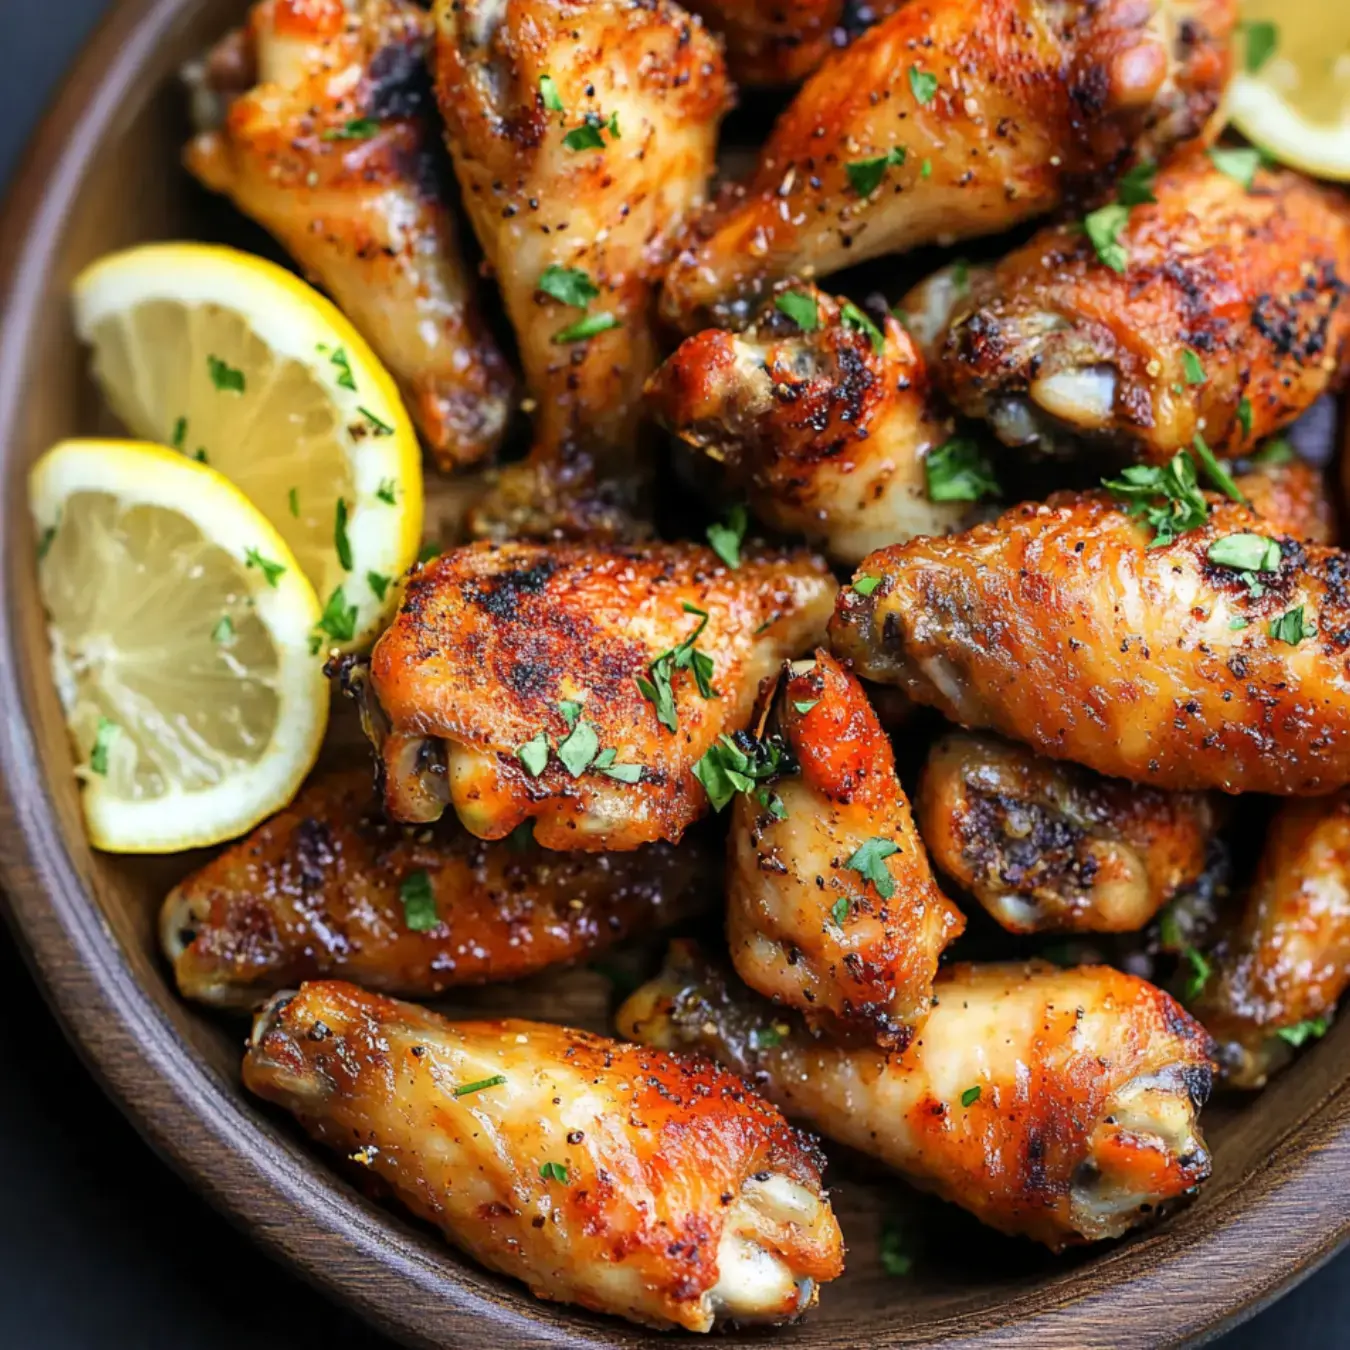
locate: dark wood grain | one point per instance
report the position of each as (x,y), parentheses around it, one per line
(103,173)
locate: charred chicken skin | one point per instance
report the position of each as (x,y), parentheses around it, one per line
(831,906)
(578,685)
(329,887)
(1218,311)
(623,1179)
(953,118)
(332,151)
(1058,1105)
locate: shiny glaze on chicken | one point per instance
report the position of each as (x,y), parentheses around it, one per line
(1008,103)
(332,151)
(1058,1105)
(622,1179)
(831,905)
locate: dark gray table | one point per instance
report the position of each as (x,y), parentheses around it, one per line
(101,1246)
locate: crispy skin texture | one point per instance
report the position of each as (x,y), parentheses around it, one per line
(1288,959)
(1057,625)
(826,435)
(1056,344)
(316,891)
(1090,1081)
(367,217)
(1033,100)
(803,926)
(1047,847)
(673,1168)
(1293,499)
(489,640)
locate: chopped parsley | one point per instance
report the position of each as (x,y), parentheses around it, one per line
(571,710)
(106,734)
(1218,473)
(579,749)
(1135,187)
(588,135)
(340,540)
(804,706)
(199,455)
(223,632)
(1237,625)
(534,755)
(45,541)
(345,378)
(1239,163)
(656,685)
(465,1089)
(839,911)
(1103,228)
(926,169)
(771,802)
(270,570)
(387,490)
(957,471)
(727,767)
(801,309)
(865,175)
(1166,498)
(338,619)
(1245,553)
(224,376)
(570,285)
(625,773)
(865,585)
(1262,40)
(355,129)
(554,1171)
(1291,628)
(379,583)
(1310,1029)
(419,901)
(923,85)
(179,438)
(378,427)
(431,549)
(868,861)
(970,1096)
(765,1038)
(1191,367)
(724,538)
(1278,451)
(293,500)
(1197,976)
(548,92)
(588,327)
(1244,415)
(854,318)
(891,1250)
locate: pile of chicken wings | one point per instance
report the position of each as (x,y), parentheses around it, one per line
(587,726)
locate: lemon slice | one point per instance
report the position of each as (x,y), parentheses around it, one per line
(237,363)
(1291,95)
(179,625)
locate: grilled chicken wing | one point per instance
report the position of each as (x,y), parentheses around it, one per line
(328,887)
(826,429)
(1228,316)
(508,684)
(831,906)
(1277,977)
(1061,626)
(1058,1105)
(623,1179)
(581,133)
(333,153)
(1292,497)
(949,119)
(1045,846)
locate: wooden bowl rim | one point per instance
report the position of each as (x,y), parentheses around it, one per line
(1286,1217)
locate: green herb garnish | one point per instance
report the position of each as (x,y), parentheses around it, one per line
(1103,228)
(865,175)
(496,1080)
(1290,627)
(224,376)
(419,901)
(340,540)
(570,285)
(922,84)
(106,734)
(588,327)
(270,570)
(868,861)
(725,538)
(801,309)
(854,318)
(970,1096)
(338,619)
(957,471)
(355,129)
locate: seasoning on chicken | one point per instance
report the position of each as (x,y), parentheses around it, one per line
(1215,661)
(332,151)
(578,685)
(949,119)
(822,417)
(1045,846)
(581,133)
(1274,981)
(831,905)
(1217,310)
(1058,1105)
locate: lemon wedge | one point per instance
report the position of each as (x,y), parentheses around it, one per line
(1291,95)
(179,624)
(236,363)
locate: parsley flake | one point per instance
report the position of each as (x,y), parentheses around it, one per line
(970,1096)
(891,1251)
(106,734)
(1290,627)
(345,378)
(865,175)
(854,318)
(1103,228)
(1245,553)
(1278,451)
(224,376)
(1135,187)
(554,1171)
(839,911)
(1239,163)
(957,471)
(765,1038)
(419,901)
(431,549)
(656,686)
(1262,40)
(571,711)
(548,92)
(1166,498)
(223,632)
(570,285)
(378,427)
(1244,415)
(466,1089)
(728,767)
(179,438)
(923,85)
(588,327)
(579,748)
(865,585)
(1198,974)
(270,570)
(588,135)
(338,619)
(725,538)
(340,540)
(804,706)
(868,861)
(771,802)
(1191,367)
(801,309)
(379,583)
(387,491)
(293,500)
(45,540)
(355,129)
(1308,1030)
(534,755)
(1218,473)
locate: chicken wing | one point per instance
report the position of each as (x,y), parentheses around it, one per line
(333,153)
(577,685)
(1045,846)
(1292,497)
(1058,1105)
(1217,310)
(949,119)
(1276,978)
(581,133)
(1066,626)
(831,906)
(623,1179)
(328,887)
(824,420)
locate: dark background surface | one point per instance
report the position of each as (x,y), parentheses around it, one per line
(101,1246)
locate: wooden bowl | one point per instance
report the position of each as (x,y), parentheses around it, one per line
(103,173)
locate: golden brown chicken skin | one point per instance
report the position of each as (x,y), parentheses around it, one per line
(1059,625)
(1229,315)
(578,685)
(581,134)
(329,887)
(623,1179)
(1292,497)
(1007,104)
(1046,846)
(1058,1105)
(826,430)
(1278,975)
(332,151)
(831,906)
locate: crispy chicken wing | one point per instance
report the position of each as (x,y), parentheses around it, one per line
(333,153)
(1228,315)
(949,119)
(1045,846)
(1278,975)
(328,887)
(623,1179)
(1292,496)
(831,906)
(578,685)
(1062,626)
(1058,1105)
(581,133)
(825,429)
